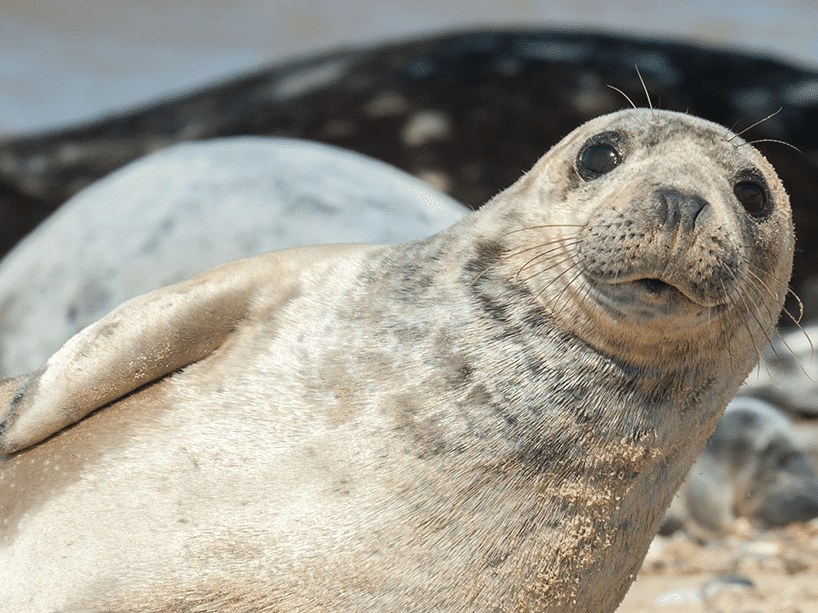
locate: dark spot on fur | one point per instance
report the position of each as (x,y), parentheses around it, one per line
(344,486)
(422,430)
(497,309)
(416,279)
(537,319)
(543,457)
(486,253)
(458,369)
(504,303)
(17,398)
(510,420)
(478,395)
(535,366)
(575,181)
(496,560)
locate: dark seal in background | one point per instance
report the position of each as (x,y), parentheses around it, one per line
(469,112)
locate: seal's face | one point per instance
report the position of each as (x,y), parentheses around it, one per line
(656,225)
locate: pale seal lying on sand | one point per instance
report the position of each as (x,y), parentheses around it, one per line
(753,466)
(494,418)
(170,215)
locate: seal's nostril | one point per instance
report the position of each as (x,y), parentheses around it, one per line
(695,205)
(663,203)
(680,210)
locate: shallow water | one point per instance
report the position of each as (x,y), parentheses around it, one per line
(68,60)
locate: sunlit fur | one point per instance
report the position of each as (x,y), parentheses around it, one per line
(491,419)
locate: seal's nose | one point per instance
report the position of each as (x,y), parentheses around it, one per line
(680,209)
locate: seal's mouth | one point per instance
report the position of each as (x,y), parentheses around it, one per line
(653,290)
(659,290)
(651,300)
(661,293)
(654,286)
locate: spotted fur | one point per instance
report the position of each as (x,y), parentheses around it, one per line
(491,419)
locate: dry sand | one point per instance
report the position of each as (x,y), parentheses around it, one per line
(749,571)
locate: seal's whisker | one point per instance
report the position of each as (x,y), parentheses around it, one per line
(794,355)
(732,129)
(787,287)
(758,285)
(552,225)
(569,255)
(553,265)
(645,87)
(780,282)
(560,247)
(744,296)
(728,337)
(567,258)
(556,298)
(556,241)
(759,352)
(750,127)
(567,285)
(785,310)
(790,291)
(792,352)
(725,332)
(616,274)
(761,360)
(775,140)
(796,321)
(624,94)
(513,254)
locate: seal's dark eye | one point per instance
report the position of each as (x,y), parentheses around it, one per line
(752,197)
(597,160)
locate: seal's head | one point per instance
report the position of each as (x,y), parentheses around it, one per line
(646,230)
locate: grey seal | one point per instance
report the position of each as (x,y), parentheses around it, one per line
(494,418)
(172,214)
(754,465)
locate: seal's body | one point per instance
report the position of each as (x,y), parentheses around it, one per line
(491,419)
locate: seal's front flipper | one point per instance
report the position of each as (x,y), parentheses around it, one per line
(139,342)
(145,339)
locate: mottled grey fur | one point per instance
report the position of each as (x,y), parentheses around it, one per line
(479,421)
